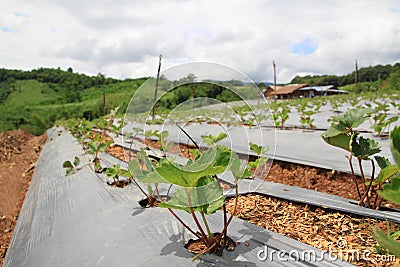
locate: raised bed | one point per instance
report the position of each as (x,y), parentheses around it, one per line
(80,220)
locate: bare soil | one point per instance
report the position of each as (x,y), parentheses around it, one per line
(19,152)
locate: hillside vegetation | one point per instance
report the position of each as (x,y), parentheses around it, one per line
(34,100)
(378,73)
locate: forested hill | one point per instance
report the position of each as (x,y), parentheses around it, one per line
(68,83)
(368,74)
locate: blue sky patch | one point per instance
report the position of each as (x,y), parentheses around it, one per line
(5,29)
(305,47)
(21,15)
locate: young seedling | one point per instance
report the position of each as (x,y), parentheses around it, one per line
(116,129)
(71,167)
(97,145)
(115,173)
(212,140)
(160,136)
(280,114)
(305,119)
(259,163)
(132,136)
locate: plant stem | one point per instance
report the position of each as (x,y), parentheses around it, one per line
(184,224)
(224,209)
(210,235)
(369,186)
(363,180)
(224,230)
(354,175)
(203,234)
(140,188)
(376,197)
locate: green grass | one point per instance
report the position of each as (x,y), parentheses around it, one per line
(36,106)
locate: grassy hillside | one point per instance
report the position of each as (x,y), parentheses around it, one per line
(35,106)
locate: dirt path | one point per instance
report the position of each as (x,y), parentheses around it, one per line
(19,152)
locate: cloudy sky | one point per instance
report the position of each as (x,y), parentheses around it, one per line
(123,38)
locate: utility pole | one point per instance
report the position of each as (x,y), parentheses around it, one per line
(379,81)
(155,92)
(273,64)
(193,93)
(356,78)
(104,101)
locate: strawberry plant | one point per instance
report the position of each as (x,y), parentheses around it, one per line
(117,128)
(71,167)
(305,118)
(391,192)
(280,114)
(98,144)
(198,192)
(212,140)
(260,162)
(136,131)
(115,173)
(160,138)
(343,134)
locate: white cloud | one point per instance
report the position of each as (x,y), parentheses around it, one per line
(124,38)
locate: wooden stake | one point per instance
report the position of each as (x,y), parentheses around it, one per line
(155,92)
(273,63)
(356,78)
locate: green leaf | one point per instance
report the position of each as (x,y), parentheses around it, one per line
(387,242)
(67,164)
(92,147)
(213,139)
(340,140)
(364,148)
(258,149)
(239,168)
(69,171)
(355,117)
(382,162)
(333,131)
(188,175)
(395,144)
(206,197)
(77,161)
(391,191)
(163,135)
(152,178)
(144,159)
(387,173)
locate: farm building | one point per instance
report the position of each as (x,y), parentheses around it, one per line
(284,92)
(311,91)
(290,91)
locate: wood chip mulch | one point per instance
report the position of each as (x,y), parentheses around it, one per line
(324,229)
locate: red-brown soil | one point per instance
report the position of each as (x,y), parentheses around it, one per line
(19,152)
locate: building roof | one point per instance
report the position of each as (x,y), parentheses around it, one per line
(289,88)
(321,89)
